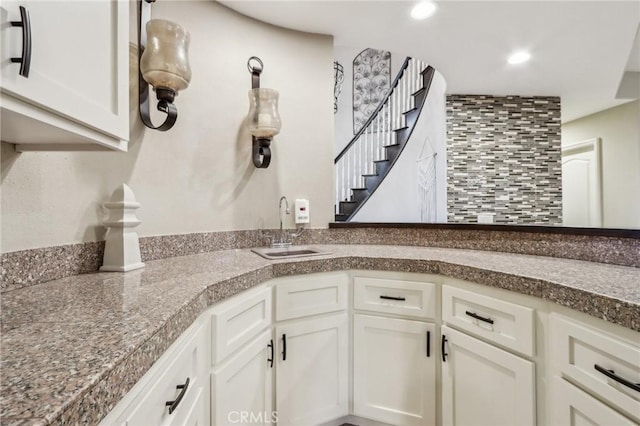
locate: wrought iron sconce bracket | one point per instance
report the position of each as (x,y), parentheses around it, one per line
(165,96)
(261,146)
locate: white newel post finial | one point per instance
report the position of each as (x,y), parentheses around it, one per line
(122,249)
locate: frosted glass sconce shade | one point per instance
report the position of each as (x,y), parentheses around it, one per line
(164,65)
(165,61)
(264,120)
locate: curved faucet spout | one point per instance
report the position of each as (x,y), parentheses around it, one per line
(286,211)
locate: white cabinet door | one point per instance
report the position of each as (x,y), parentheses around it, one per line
(573,407)
(79,64)
(484,385)
(394,376)
(312,370)
(242,387)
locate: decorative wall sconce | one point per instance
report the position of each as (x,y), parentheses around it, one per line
(264,120)
(164,64)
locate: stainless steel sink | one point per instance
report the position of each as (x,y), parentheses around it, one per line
(289,252)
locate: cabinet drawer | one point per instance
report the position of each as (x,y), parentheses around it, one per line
(573,407)
(311,295)
(411,298)
(237,321)
(577,350)
(187,365)
(505,323)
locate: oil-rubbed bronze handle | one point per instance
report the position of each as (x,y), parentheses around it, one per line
(284,347)
(270,359)
(174,404)
(444,343)
(402,299)
(478,317)
(613,376)
(25,59)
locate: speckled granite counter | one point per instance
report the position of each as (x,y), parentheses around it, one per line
(72,348)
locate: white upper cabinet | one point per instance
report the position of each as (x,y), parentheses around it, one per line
(76,95)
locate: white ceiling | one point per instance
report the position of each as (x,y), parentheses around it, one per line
(579,48)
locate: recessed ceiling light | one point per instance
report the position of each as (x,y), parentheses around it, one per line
(423,10)
(519,57)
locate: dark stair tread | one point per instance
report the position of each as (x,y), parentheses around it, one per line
(380,161)
(369,174)
(341,217)
(419,91)
(400,129)
(393,145)
(410,110)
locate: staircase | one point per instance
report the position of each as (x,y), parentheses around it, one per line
(369,156)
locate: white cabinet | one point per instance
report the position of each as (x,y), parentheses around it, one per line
(175,390)
(573,407)
(77,93)
(599,360)
(242,387)
(312,370)
(484,385)
(394,370)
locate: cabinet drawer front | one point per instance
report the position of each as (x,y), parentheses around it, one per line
(236,322)
(578,349)
(301,297)
(189,363)
(501,322)
(573,407)
(411,298)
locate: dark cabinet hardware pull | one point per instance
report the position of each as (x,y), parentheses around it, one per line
(284,347)
(270,360)
(478,317)
(444,354)
(393,298)
(174,404)
(25,59)
(612,375)
(428,344)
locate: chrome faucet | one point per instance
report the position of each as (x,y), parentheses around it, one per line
(282,240)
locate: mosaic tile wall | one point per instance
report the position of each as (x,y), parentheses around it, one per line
(503,158)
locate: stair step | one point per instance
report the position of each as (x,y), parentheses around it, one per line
(348,207)
(402,136)
(359,194)
(382,166)
(399,129)
(410,110)
(392,151)
(418,92)
(371,181)
(341,217)
(411,117)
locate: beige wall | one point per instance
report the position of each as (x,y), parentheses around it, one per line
(619,130)
(198,176)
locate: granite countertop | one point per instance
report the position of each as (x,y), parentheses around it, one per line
(72,348)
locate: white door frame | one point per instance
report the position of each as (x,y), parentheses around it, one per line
(594,145)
